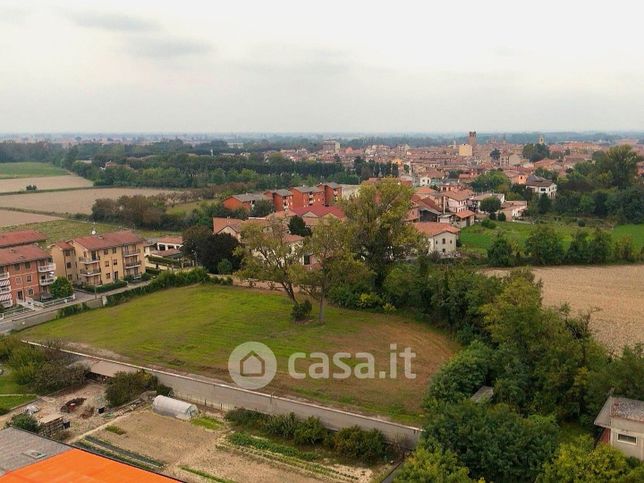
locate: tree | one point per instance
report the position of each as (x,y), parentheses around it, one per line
(495,443)
(580,460)
(209,249)
(269,253)
(495,154)
(297,226)
(620,163)
(25,422)
(328,247)
(578,251)
(224,267)
(535,152)
(262,208)
(494,180)
(491,204)
(625,249)
(600,247)
(544,204)
(61,288)
(430,466)
(501,253)
(376,219)
(545,246)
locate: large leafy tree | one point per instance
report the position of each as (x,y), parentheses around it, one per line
(545,246)
(426,466)
(620,163)
(380,234)
(491,204)
(209,249)
(269,253)
(61,288)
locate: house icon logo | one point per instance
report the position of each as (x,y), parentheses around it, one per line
(252,365)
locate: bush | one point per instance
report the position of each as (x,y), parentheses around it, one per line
(370,300)
(283,425)
(25,421)
(246,418)
(106,287)
(61,288)
(492,216)
(501,217)
(301,311)
(127,386)
(225,267)
(310,432)
(488,224)
(358,444)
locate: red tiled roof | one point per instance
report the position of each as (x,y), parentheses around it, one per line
(108,240)
(172,239)
(20,254)
(218,224)
(63,245)
(464,214)
(319,211)
(431,228)
(23,237)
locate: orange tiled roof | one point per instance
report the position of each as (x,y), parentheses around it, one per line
(21,254)
(108,240)
(431,228)
(23,237)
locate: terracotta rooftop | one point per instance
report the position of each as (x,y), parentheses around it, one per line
(108,240)
(24,237)
(219,224)
(21,254)
(464,214)
(432,229)
(318,211)
(172,239)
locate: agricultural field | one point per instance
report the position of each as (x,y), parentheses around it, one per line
(194,329)
(9,218)
(615,295)
(28,169)
(477,238)
(67,181)
(70,202)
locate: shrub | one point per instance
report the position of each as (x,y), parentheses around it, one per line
(301,311)
(8,344)
(488,224)
(492,216)
(61,288)
(224,267)
(501,217)
(246,418)
(310,432)
(358,444)
(127,386)
(369,300)
(26,422)
(283,425)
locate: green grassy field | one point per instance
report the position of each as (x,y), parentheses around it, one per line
(478,238)
(66,229)
(12,394)
(185,207)
(194,329)
(29,168)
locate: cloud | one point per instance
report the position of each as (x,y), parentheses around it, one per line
(166,47)
(112,22)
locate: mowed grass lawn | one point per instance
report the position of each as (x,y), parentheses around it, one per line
(194,329)
(478,238)
(67,229)
(12,394)
(28,169)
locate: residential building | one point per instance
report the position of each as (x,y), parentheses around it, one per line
(307,196)
(27,457)
(312,215)
(282,199)
(22,237)
(623,423)
(463,218)
(456,201)
(332,193)
(441,237)
(541,186)
(331,147)
(26,272)
(100,259)
(465,150)
(230,226)
(170,242)
(513,209)
(244,201)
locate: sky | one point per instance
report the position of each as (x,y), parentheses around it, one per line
(332,66)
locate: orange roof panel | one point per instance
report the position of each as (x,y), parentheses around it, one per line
(81,466)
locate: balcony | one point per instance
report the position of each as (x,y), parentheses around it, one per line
(5,282)
(129,252)
(90,272)
(132,263)
(6,289)
(47,280)
(4,276)
(47,267)
(89,260)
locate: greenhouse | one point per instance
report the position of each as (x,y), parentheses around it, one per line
(168,406)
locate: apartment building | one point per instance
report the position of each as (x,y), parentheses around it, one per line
(282,199)
(246,201)
(100,259)
(332,193)
(26,272)
(307,196)
(23,237)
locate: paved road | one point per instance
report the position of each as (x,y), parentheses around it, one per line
(223,396)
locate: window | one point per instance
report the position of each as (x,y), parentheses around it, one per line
(30,291)
(69,264)
(69,276)
(27,265)
(108,275)
(105,252)
(114,262)
(113,250)
(16,267)
(443,241)
(307,259)
(19,280)
(625,438)
(107,263)
(28,278)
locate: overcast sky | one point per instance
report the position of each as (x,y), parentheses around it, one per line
(351,65)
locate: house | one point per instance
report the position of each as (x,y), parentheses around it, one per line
(428,210)
(230,226)
(27,457)
(307,196)
(26,272)
(244,201)
(463,218)
(541,186)
(170,242)
(513,209)
(282,199)
(100,259)
(441,237)
(332,193)
(23,237)
(623,423)
(456,201)
(314,214)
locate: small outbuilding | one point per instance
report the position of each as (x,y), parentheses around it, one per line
(168,406)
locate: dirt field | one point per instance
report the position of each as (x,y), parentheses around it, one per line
(70,202)
(14,218)
(614,293)
(44,183)
(180,444)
